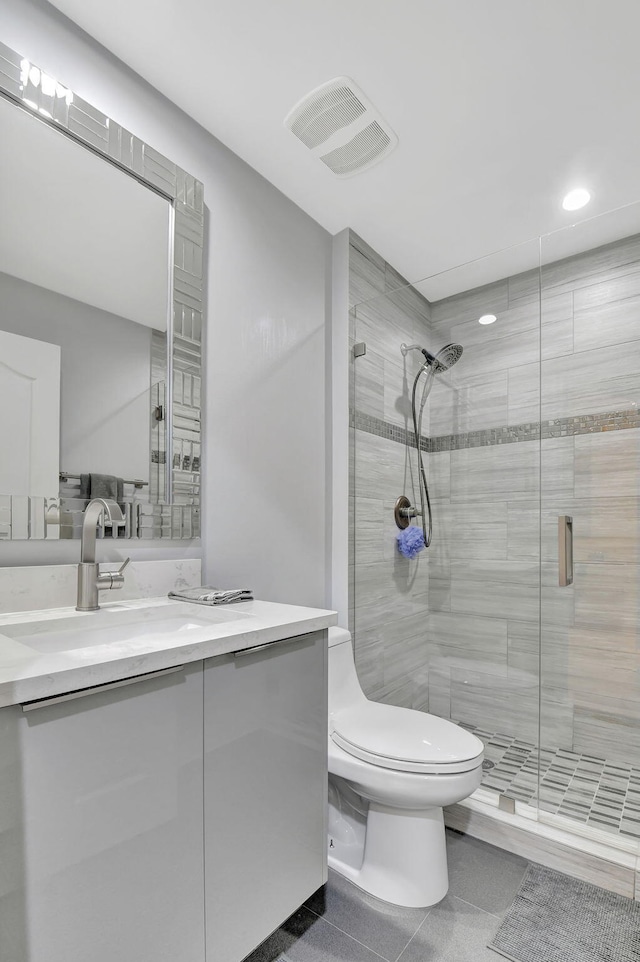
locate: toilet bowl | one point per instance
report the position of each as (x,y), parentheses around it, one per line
(391,771)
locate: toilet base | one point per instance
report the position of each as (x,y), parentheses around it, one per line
(405,857)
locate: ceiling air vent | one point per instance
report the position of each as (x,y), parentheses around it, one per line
(341,127)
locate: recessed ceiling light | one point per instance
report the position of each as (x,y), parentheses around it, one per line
(576,199)
(487,319)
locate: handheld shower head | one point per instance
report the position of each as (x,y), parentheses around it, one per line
(447,356)
(444,359)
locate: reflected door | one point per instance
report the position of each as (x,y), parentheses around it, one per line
(30,416)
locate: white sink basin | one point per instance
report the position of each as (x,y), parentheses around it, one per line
(118,625)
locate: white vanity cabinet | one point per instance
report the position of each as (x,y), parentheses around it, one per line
(265,789)
(101,806)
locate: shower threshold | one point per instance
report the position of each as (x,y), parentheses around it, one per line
(592,791)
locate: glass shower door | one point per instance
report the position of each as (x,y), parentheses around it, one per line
(590,663)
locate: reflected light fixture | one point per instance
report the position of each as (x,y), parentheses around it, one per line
(576,199)
(487,319)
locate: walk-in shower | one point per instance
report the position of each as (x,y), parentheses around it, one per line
(538,422)
(433,364)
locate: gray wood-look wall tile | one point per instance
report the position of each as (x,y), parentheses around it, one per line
(381,469)
(470,305)
(557,605)
(523,531)
(496,703)
(607,595)
(405,660)
(605,379)
(568,663)
(556,718)
(608,313)
(368,528)
(369,658)
(557,325)
(391,590)
(366,277)
(369,385)
(398,377)
(608,728)
(508,590)
(605,530)
(440,692)
(439,585)
(499,472)
(438,471)
(384,327)
(450,629)
(607,464)
(468,401)
(523,648)
(406,298)
(557,472)
(604,263)
(469,531)
(523,393)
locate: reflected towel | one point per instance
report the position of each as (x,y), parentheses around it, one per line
(101,486)
(208,595)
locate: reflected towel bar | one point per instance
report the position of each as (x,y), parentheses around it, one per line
(65,476)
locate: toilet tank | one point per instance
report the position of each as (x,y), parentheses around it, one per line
(344,687)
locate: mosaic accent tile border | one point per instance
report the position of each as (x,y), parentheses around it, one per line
(506,434)
(584,788)
(384,429)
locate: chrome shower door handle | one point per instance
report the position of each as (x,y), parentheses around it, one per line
(565,550)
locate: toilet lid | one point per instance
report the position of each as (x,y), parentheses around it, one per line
(405,740)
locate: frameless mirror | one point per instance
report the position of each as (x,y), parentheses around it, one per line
(100,319)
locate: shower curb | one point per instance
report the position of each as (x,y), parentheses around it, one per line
(605,865)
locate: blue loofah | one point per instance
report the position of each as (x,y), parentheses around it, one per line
(410,541)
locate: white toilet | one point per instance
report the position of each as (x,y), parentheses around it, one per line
(391,770)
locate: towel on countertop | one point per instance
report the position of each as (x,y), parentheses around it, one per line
(101,486)
(208,595)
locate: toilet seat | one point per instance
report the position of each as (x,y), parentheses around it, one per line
(404,739)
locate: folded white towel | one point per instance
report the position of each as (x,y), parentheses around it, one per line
(208,595)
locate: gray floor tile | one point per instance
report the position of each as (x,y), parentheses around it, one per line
(382,927)
(307,938)
(482,874)
(453,931)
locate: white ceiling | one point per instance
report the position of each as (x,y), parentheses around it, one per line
(109,249)
(500,106)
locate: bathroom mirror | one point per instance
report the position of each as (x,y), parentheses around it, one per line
(100,319)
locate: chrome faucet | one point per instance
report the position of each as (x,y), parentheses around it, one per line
(90,580)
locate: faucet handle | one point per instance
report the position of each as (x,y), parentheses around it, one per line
(117,578)
(112,579)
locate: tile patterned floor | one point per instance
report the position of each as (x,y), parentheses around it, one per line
(339,923)
(581,787)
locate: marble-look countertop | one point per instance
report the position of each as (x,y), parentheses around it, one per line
(31,668)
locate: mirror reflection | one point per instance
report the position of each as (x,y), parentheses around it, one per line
(84,301)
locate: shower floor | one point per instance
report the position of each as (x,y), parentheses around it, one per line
(581,787)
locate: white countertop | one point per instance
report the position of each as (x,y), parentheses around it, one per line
(27,674)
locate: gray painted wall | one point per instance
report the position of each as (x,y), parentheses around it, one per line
(105,366)
(264,510)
